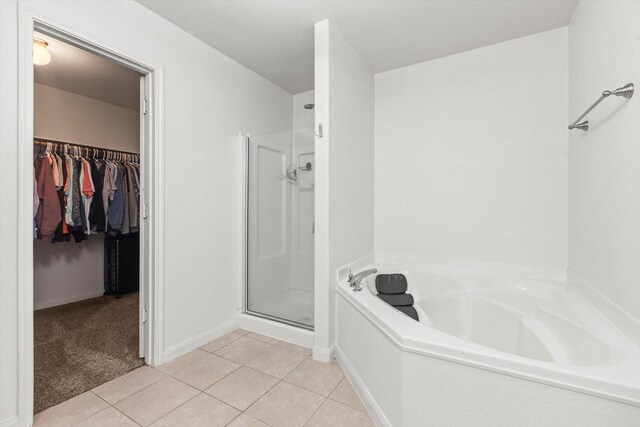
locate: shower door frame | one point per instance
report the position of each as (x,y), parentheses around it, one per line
(245,140)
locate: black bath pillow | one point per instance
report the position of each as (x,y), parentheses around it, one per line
(391,283)
(397,299)
(409,311)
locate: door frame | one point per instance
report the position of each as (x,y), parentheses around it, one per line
(152,168)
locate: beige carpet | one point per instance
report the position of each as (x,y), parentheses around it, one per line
(81,345)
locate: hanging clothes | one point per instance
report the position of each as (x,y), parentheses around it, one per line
(116,201)
(77,195)
(36,203)
(96,211)
(87,193)
(133,198)
(62,232)
(48,211)
(77,209)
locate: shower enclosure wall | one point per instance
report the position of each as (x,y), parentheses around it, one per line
(280,226)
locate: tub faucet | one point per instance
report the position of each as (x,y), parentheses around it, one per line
(355,279)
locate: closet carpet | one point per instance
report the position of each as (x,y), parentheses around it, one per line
(81,345)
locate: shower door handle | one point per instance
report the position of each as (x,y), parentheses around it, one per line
(313,227)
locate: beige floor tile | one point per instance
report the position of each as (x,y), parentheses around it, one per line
(264,338)
(124,386)
(344,393)
(245,420)
(285,405)
(334,414)
(156,401)
(202,410)
(206,371)
(243,350)
(110,417)
(72,411)
(241,331)
(241,388)
(214,345)
(182,361)
(277,361)
(318,377)
(298,348)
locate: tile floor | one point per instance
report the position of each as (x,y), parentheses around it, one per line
(240,379)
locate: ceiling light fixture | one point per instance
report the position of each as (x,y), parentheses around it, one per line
(41,55)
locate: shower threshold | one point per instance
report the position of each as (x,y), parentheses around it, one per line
(293,307)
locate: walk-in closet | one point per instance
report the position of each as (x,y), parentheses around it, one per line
(86,206)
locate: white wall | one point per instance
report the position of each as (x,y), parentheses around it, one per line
(344,95)
(66,272)
(301,116)
(208,99)
(71,117)
(604,163)
(471,155)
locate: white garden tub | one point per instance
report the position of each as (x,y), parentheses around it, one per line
(487,351)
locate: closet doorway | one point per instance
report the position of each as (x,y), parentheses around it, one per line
(88,265)
(86,252)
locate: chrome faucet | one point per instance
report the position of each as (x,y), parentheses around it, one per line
(355,279)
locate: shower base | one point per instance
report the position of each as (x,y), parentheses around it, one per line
(294,305)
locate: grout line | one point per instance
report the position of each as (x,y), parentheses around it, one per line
(349,406)
(261,396)
(243,364)
(366,414)
(179,406)
(336,386)
(234,418)
(213,352)
(88,416)
(254,369)
(102,410)
(132,420)
(202,391)
(185,366)
(314,412)
(141,390)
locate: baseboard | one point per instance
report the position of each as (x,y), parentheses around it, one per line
(622,320)
(197,341)
(9,422)
(361,390)
(324,355)
(39,305)
(281,331)
(554,274)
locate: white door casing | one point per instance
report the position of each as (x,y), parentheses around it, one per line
(152,150)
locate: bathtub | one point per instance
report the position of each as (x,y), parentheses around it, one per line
(486,351)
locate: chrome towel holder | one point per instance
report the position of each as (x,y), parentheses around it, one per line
(625,91)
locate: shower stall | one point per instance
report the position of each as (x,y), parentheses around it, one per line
(280,226)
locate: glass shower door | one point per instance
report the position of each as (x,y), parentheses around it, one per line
(280,226)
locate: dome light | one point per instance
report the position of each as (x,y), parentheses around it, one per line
(41,55)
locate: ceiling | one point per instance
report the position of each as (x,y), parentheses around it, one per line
(274,38)
(84,73)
